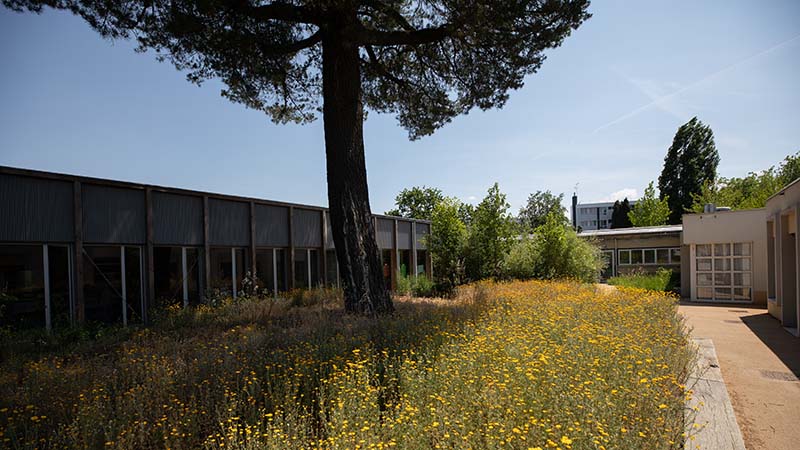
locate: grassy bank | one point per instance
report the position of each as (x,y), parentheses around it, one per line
(513,365)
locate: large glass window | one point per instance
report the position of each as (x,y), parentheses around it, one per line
(422,262)
(314,267)
(724,271)
(650,256)
(102,283)
(386,262)
(282,269)
(168,275)
(332,268)
(60,285)
(134,293)
(300,268)
(22,301)
(404,263)
(227,265)
(265,268)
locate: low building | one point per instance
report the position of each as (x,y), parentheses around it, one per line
(639,249)
(782,217)
(727,256)
(76,249)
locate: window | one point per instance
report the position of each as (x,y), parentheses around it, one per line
(422,262)
(102,284)
(386,261)
(404,263)
(271,269)
(332,268)
(724,271)
(22,285)
(650,256)
(227,265)
(306,268)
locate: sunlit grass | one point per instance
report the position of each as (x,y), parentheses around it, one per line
(514,365)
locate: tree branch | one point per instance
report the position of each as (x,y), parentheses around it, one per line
(390,12)
(293,47)
(366,36)
(280,11)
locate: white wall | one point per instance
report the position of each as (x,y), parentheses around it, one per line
(729,226)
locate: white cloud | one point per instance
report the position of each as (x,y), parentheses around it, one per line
(629,193)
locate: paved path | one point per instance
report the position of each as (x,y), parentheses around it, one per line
(760,363)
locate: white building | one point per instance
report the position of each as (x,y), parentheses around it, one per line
(593,216)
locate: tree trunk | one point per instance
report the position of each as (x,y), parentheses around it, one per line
(353,227)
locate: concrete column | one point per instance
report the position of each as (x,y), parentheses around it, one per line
(206,246)
(253,238)
(414,247)
(149,274)
(290,283)
(324,274)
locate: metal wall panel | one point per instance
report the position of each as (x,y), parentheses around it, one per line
(403,235)
(422,230)
(177,219)
(228,222)
(272,226)
(384,233)
(34,209)
(113,215)
(307,228)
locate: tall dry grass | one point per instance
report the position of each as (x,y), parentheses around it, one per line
(512,365)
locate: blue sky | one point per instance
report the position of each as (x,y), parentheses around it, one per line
(601,112)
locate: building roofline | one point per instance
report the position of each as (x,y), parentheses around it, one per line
(171,190)
(662,229)
(782,190)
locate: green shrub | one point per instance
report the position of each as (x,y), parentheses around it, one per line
(420,286)
(662,280)
(554,252)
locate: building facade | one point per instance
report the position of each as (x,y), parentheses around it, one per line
(639,250)
(782,218)
(593,216)
(75,249)
(727,256)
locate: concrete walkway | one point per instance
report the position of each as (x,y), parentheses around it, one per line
(760,363)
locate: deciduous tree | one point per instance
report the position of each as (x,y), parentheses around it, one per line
(540,204)
(650,210)
(425,61)
(491,234)
(416,203)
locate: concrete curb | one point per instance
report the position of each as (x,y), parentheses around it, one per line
(710,407)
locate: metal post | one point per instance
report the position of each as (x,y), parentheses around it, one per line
(124,285)
(233,270)
(46,266)
(291,248)
(77,211)
(184,275)
(308,268)
(275,272)
(149,273)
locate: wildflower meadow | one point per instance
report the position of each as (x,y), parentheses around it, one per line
(520,365)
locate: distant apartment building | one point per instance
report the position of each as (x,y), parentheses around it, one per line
(592,216)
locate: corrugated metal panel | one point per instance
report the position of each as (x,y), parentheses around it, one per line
(272,226)
(228,222)
(307,228)
(113,215)
(177,219)
(35,210)
(384,233)
(422,230)
(330,243)
(403,235)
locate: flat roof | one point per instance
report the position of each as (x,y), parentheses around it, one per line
(662,229)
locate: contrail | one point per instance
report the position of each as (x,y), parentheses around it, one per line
(689,86)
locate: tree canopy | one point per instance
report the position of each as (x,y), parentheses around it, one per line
(691,162)
(541,204)
(750,191)
(650,210)
(619,215)
(424,61)
(416,203)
